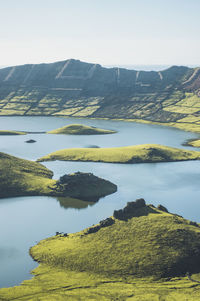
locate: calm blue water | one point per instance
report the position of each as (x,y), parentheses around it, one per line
(26,220)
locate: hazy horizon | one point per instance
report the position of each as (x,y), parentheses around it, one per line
(113,32)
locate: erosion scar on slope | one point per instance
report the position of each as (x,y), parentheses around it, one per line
(63,69)
(10,74)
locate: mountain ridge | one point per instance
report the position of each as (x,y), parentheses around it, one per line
(80,89)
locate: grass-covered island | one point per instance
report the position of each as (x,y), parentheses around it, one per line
(129,154)
(79,129)
(139,253)
(19,177)
(10,133)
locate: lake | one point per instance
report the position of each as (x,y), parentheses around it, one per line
(26,220)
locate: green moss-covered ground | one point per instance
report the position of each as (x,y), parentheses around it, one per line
(144,257)
(129,154)
(79,129)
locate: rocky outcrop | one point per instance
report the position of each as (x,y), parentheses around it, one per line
(102,224)
(131,210)
(162,208)
(30,141)
(84,186)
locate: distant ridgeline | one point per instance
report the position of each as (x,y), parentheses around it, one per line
(78,89)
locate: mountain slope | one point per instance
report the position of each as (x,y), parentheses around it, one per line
(74,88)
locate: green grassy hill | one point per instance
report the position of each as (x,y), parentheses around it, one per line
(140,253)
(130,154)
(79,129)
(149,242)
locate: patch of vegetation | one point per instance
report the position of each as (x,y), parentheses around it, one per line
(129,154)
(126,259)
(79,129)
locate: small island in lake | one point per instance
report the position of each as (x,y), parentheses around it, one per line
(19,177)
(79,129)
(145,153)
(30,141)
(140,251)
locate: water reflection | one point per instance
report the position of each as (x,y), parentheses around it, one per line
(74,203)
(9,253)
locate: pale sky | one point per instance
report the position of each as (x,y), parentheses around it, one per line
(108,32)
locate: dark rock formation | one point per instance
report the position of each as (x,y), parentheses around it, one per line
(84,186)
(130,210)
(104,223)
(30,141)
(194,224)
(162,208)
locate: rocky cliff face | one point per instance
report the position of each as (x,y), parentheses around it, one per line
(74,88)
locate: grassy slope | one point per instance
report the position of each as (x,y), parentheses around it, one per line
(4,132)
(128,154)
(152,244)
(121,262)
(23,177)
(79,129)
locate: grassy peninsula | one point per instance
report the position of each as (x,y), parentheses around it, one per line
(79,129)
(129,154)
(139,253)
(19,177)
(193,142)
(5,132)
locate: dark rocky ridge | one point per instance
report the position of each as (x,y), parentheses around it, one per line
(74,88)
(84,186)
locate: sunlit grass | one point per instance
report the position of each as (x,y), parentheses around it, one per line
(126,260)
(129,154)
(79,129)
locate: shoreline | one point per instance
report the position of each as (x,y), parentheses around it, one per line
(183,126)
